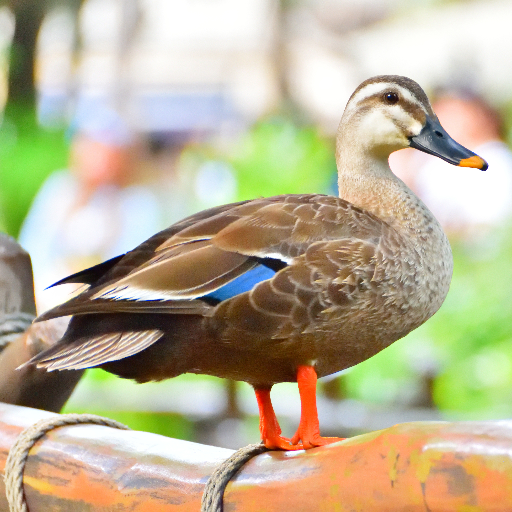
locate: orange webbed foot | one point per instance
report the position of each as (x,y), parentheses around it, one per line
(308,434)
(269,426)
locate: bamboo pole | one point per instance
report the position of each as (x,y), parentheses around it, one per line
(425,466)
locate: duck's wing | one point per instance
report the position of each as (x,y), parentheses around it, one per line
(121,265)
(218,254)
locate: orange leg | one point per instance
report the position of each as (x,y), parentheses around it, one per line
(269,426)
(309,427)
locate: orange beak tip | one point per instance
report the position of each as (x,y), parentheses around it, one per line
(474,161)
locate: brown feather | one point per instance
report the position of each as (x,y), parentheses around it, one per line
(86,352)
(186,271)
(79,306)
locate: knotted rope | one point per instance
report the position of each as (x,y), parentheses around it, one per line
(18,454)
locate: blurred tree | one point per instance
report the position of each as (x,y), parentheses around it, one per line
(28,17)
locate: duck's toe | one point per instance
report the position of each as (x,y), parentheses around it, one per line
(281,443)
(305,439)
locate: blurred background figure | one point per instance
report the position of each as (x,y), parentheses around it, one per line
(91,212)
(469,205)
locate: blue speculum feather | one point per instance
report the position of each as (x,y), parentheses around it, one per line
(242,283)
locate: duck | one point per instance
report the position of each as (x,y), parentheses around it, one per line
(288,288)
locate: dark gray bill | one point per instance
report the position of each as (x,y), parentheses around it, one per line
(434,140)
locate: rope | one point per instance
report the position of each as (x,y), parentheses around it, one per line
(219,479)
(12,325)
(18,453)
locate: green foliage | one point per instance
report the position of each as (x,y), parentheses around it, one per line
(27,155)
(166,424)
(476,329)
(139,406)
(277,157)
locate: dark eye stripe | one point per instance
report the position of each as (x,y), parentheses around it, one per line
(413,109)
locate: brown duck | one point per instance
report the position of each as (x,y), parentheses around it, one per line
(280,289)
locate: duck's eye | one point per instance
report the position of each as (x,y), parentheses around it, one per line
(391,98)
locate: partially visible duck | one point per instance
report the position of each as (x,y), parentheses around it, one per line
(282,289)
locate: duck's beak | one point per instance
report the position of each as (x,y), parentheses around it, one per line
(434,140)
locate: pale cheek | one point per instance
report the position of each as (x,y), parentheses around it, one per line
(411,126)
(379,130)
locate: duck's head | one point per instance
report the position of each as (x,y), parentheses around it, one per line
(387,113)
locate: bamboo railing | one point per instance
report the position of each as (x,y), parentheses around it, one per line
(430,466)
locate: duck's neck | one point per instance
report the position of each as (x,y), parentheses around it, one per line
(366,181)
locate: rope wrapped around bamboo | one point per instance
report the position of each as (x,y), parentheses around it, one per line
(414,466)
(212,500)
